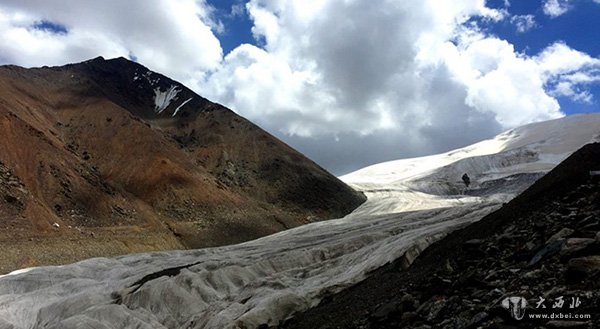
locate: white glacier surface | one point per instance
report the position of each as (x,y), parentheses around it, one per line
(411,203)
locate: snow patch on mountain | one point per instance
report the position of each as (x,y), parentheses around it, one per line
(181,105)
(162,99)
(147,75)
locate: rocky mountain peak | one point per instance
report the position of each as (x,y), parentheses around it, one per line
(147,94)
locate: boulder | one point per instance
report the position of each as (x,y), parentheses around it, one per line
(583,267)
(565,232)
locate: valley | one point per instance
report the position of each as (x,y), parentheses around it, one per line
(265,281)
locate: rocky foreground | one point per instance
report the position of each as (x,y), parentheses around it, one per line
(543,246)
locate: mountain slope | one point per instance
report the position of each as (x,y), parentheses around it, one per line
(265,281)
(106,157)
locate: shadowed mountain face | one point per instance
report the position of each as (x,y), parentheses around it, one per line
(106,157)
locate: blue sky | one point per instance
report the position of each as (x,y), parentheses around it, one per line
(51,27)
(578,27)
(237,25)
(348,83)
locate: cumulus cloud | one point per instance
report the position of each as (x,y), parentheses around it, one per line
(239,9)
(168,36)
(523,23)
(418,77)
(330,66)
(348,83)
(555,8)
(568,72)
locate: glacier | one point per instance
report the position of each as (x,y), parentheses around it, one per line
(411,203)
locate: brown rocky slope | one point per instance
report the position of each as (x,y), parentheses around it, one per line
(106,157)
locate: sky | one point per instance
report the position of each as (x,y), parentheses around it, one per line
(347,82)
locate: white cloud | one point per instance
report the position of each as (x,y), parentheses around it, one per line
(504,83)
(568,72)
(523,23)
(340,73)
(168,36)
(567,89)
(237,10)
(560,58)
(347,82)
(555,8)
(410,75)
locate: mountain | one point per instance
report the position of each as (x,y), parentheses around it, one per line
(106,157)
(265,281)
(543,246)
(516,155)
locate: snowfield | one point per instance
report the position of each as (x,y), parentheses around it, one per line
(180,106)
(411,203)
(162,99)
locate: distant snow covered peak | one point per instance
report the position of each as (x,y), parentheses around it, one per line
(406,169)
(557,136)
(162,99)
(536,147)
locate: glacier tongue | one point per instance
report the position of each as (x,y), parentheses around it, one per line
(411,203)
(258,282)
